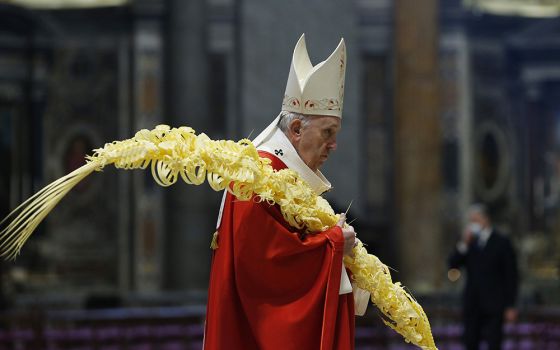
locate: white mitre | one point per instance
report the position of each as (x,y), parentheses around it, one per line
(317,90)
(313,90)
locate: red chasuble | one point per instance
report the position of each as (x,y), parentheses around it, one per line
(273,288)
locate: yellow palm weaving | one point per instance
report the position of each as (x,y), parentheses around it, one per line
(179,152)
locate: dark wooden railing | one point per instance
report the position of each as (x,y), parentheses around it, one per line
(538,328)
(181,328)
(169,328)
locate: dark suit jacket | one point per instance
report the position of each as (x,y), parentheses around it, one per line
(492,277)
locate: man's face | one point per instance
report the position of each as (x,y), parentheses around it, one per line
(479,218)
(316,140)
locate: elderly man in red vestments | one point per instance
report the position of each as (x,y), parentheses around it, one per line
(271,285)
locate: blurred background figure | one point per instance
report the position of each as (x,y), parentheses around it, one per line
(492,280)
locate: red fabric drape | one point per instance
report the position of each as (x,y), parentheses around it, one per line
(273,288)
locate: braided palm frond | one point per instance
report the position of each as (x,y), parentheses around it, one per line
(23,220)
(178,153)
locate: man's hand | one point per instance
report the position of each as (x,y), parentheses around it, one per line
(510,315)
(467,236)
(348,233)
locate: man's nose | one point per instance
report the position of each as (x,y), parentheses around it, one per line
(332,146)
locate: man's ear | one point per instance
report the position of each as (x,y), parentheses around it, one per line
(295,128)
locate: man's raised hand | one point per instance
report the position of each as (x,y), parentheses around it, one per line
(348,233)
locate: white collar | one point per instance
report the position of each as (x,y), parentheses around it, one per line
(484,235)
(279,145)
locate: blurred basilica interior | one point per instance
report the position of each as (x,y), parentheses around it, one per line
(447,103)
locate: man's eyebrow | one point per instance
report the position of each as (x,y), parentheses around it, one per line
(336,126)
(330,124)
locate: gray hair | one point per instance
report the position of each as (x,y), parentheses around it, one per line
(479,208)
(286,119)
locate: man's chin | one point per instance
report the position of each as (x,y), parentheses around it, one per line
(321,162)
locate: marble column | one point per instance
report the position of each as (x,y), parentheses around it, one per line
(418,180)
(191,211)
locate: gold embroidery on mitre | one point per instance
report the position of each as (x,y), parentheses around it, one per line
(325,104)
(292,102)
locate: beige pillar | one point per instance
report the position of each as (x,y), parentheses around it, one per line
(191,211)
(418,183)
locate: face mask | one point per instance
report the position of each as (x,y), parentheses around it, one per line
(475,228)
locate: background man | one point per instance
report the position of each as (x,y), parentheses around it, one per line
(492,279)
